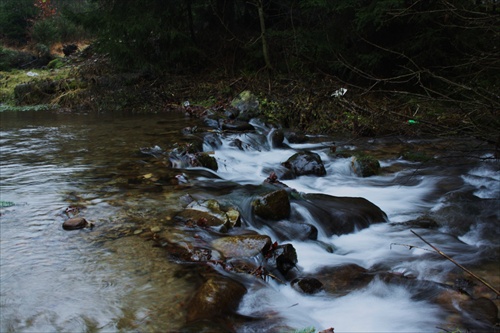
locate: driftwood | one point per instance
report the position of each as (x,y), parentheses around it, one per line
(460,266)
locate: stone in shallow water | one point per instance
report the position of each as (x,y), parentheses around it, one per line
(307,285)
(218,296)
(75,223)
(242,246)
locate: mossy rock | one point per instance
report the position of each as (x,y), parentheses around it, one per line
(273,206)
(365,165)
(207,161)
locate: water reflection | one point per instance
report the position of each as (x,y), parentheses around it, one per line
(54,280)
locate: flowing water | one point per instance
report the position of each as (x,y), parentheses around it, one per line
(111,279)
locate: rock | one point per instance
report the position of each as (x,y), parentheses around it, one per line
(247,104)
(481,309)
(307,285)
(273,206)
(234,218)
(283,258)
(305,163)
(342,215)
(296,137)
(242,246)
(207,161)
(207,213)
(237,126)
(365,165)
(343,279)
(295,231)
(421,222)
(75,223)
(217,297)
(277,137)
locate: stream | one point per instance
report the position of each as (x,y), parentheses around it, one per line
(113,278)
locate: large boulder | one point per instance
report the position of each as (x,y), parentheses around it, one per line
(272,206)
(342,215)
(304,163)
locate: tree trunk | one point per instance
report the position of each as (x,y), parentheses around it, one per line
(265,49)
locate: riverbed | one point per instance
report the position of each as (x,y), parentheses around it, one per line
(112,278)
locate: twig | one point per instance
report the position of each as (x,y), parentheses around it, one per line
(453,261)
(410,247)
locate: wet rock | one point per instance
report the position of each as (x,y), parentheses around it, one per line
(344,279)
(421,222)
(242,246)
(481,309)
(272,206)
(217,297)
(305,163)
(295,231)
(277,137)
(296,137)
(283,258)
(307,285)
(237,126)
(234,218)
(208,213)
(75,223)
(212,140)
(365,165)
(207,161)
(342,215)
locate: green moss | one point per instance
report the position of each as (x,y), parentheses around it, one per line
(365,165)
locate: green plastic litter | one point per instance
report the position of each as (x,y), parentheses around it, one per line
(6,204)
(411,121)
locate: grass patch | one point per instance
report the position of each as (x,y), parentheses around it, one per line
(9,80)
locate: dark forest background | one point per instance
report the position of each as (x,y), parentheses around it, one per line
(447,51)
